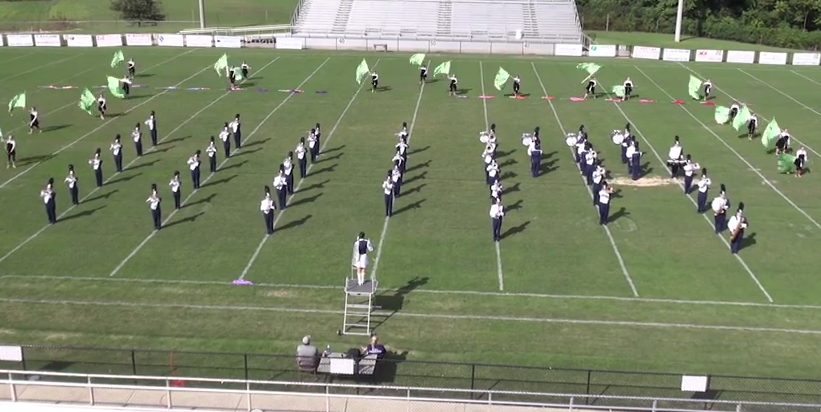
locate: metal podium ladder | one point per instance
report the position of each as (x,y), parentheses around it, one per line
(359,307)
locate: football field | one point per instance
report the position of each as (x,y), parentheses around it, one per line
(654,290)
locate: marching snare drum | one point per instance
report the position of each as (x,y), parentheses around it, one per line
(571,139)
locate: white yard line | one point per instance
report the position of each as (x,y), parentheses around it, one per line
(624,270)
(34,69)
(497,248)
(805,77)
(18,57)
(110,178)
(207,178)
(262,242)
(681,185)
(28,169)
(420,315)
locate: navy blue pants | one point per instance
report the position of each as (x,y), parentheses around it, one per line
(389,205)
(98,176)
(269,222)
(496,224)
(282,197)
(226,147)
(596,190)
(604,213)
(688,184)
(238,139)
(118,162)
(153,134)
(588,173)
(303,167)
(156,215)
(177,195)
(404,164)
(290,179)
(735,244)
(720,221)
(312,151)
(195,178)
(51,211)
(75,194)
(535,164)
(702,202)
(624,154)
(397,187)
(212,163)
(138,145)
(636,165)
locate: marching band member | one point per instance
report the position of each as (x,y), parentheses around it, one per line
(720,206)
(125,83)
(590,89)
(267,207)
(374,81)
(423,74)
(361,247)
(151,122)
(536,132)
(281,187)
(674,158)
(236,129)
(175,184)
(132,68)
(243,68)
(625,143)
(402,150)
(782,145)
(628,89)
(635,162)
(496,190)
(398,160)
(497,214)
(226,141)
(737,225)
(735,108)
(318,146)
(589,164)
(493,172)
(752,125)
(97,165)
(387,189)
(690,168)
(492,133)
(34,121)
(211,151)
(137,136)
(48,195)
(301,160)
(404,132)
(517,84)
(73,187)
(582,132)
(452,89)
(11,152)
(703,191)
(487,157)
(396,177)
(707,86)
(581,147)
(117,151)
(101,105)
(604,203)
(534,150)
(598,177)
(154,206)
(800,161)
(194,166)
(288,164)
(631,150)
(312,145)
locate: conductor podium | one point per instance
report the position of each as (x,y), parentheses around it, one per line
(359,306)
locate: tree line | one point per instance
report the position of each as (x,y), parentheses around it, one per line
(779,23)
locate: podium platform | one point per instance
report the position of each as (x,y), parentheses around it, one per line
(359,307)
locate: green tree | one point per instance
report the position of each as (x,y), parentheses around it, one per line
(139,10)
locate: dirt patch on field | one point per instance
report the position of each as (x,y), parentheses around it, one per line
(647,181)
(278,293)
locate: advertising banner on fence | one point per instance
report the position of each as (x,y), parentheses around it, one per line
(568,50)
(736,56)
(676,55)
(20,40)
(172,40)
(109,40)
(290,43)
(138,39)
(47,40)
(602,50)
(712,56)
(79,40)
(772,58)
(643,52)
(229,42)
(806,59)
(199,40)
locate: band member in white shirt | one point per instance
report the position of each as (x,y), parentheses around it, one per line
(225,137)
(517,84)
(96,163)
(176,191)
(361,247)
(590,89)
(151,122)
(800,161)
(211,151)
(493,172)
(625,143)
(11,152)
(301,160)
(402,150)
(752,126)
(782,144)
(396,177)
(598,176)
(604,203)
(154,201)
(497,214)
(117,152)
(34,121)
(454,82)
(703,191)
(288,163)
(281,186)
(720,206)
(589,166)
(496,191)
(318,145)
(236,130)
(387,189)
(73,187)
(690,168)
(674,158)
(737,225)
(707,86)
(267,207)
(101,105)
(374,82)
(132,68)
(534,150)
(244,67)
(48,197)
(398,160)
(312,145)
(137,137)
(423,74)
(194,166)
(628,89)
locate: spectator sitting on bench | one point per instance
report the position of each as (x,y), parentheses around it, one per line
(374,348)
(307,355)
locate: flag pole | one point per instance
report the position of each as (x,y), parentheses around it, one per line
(587,78)
(679,17)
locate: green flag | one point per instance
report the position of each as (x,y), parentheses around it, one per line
(238,74)
(590,68)
(741,118)
(770,135)
(722,114)
(443,68)
(115,88)
(362,71)
(695,87)
(618,91)
(17,101)
(86,102)
(786,163)
(117,59)
(221,65)
(417,59)
(501,78)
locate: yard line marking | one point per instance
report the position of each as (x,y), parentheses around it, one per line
(88,70)
(18,57)
(801,75)
(26,170)
(547,296)
(498,249)
(624,270)
(110,178)
(384,232)
(41,66)
(759,114)
(681,185)
(422,315)
(262,242)
(225,160)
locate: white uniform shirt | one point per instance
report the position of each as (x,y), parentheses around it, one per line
(689,169)
(396,175)
(234,125)
(174,184)
(495,189)
(628,83)
(589,157)
(708,85)
(387,186)
(580,147)
(719,204)
(34,115)
(631,150)
(753,119)
(598,175)
(735,223)
(101,101)
(136,135)
(704,184)
(300,151)
(211,150)
(492,169)
(454,79)
(800,152)
(674,153)
(46,194)
(397,158)
(530,148)
(280,182)
(375,77)
(266,205)
(95,163)
(153,202)
(496,211)
(115,148)
(224,134)
(150,122)
(604,196)
(71,180)
(311,141)
(289,167)
(130,64)
(787,135)
(401,148)
(193,162)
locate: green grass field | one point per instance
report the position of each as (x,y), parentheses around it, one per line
(556,293)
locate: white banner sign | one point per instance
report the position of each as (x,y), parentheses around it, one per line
(676,55)
(568,50)
(643,52)
(736,56)
(172,40)
(602,50)
(138,39)
(20,40)
(229,42)
(199,40)
(290,43)
(109,40)
(712,56)
(47,40)
(772,58)
(79,40)
(806,59)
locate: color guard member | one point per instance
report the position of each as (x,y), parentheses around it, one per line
(361,247)
(48,195)
(737,225)
(288,164)
(34,121)
(604,203)
(301,160)
(628,89)
(11,152)
(225,136)
(243,68)
(598,176)
(73,187)
(211,151)
(281,186)
(720,206)
(590,89)
(117,152)
(374,81)
(236,129)
(101,105)
(423,74)
(707,86)
(703,191)
(497,214)
(800,162)
(735,108)
(387,189)
(96,163)
(267,207)
(125,83)
(232,76)
(782,144)
(452,88)
(154,206)
(137,136)
(396,177)
(194,166)
(132,68)
(175,184)
(752,126)
(517,84)
(151,122)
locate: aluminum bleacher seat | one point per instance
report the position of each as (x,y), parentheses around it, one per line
(393,17)
(318,15)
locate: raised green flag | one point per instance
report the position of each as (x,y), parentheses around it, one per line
(694,87)
(17,101)
(115,88)
(741,118)
(117,59)
(443,68)
(786,163)
(770,135)
(238,74)
(417,59)
(501,78)
(618,91)
(86,102)
(362,71)
(722,114)
(590,68)
(221,65)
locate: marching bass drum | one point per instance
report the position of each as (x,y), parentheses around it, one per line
(617,138)
(483,137)
(570,140)
(527,139)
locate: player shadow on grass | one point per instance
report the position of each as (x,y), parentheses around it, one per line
(221,181)
(56,128)
(748,241)
(547,167)
(514,95)
(461,92)
(105,196)
(34,159)
(418,166)
(393,301)
(622,212)
(306,200)
(417,189)
(515,230)
(294,223)
(191,218)
(144,75)
(414,205)
(415,151)
(123,179)
(500,154)
(83,213)
(234,166)
(645,170)
(384,89)
(755,135)
(139,96)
